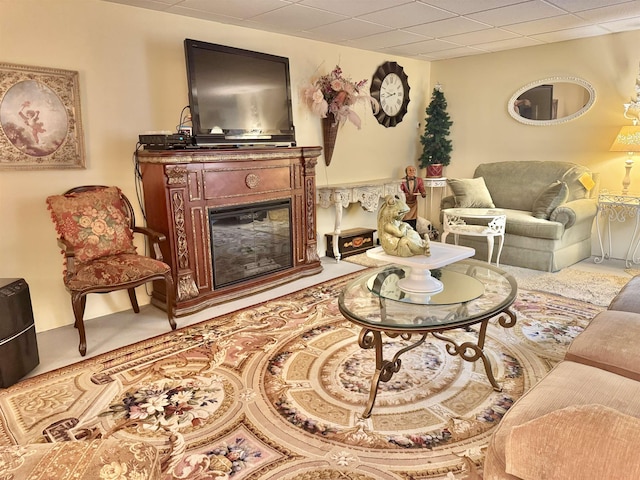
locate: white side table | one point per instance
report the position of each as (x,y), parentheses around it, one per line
(434,183)
(454,222)
(618,207)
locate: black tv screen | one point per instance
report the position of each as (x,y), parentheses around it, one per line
(238,96)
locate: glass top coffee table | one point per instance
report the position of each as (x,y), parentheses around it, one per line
(474,292)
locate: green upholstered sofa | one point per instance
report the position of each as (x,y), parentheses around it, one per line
(537,243)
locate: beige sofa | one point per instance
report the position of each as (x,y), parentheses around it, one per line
(559,236)
(582,420)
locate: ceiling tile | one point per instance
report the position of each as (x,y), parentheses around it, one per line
(453,53)
(428,46)
(580,5)
(465,7)
(448,27)
(148,4)
(522,12)
(622,25)
(387,39)
(520,42)
(406,15)
(612,12)
(546,25)
(570,34)
(213,17)
(482,36)
(353,8)
(346,29)
(297,17)
(234,8)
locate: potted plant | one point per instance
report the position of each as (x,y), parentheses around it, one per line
(436,151)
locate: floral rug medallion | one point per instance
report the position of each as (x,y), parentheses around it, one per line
(277,391)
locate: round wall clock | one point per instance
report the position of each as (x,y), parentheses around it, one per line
(390,87)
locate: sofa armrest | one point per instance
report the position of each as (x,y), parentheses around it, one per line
(448,202)
(574,211)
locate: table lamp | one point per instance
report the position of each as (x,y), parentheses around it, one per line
(628,140)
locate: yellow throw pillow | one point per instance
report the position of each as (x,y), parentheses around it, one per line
(587,181)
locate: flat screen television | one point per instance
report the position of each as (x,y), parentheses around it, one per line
(238,97)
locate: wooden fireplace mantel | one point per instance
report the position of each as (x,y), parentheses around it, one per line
(181,186)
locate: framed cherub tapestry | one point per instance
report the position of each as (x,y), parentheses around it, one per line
(40,124)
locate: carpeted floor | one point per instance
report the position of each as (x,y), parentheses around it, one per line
(276,391)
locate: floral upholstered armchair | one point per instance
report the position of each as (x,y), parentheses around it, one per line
(95,225)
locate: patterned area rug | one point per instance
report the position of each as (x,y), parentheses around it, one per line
(596,288)
(276,391)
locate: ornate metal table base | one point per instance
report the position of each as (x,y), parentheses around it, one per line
(469,351)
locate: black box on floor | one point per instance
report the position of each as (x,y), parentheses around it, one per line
(18,345)
(351,242)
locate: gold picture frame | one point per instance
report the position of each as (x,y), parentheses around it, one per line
(40,124)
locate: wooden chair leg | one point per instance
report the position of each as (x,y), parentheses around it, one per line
(83,300)
(134,299)
(170,299)
(78,302)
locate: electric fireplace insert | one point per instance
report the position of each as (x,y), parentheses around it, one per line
(249,241)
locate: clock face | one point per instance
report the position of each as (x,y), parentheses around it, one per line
(391,94)
(390,87)
(385,283)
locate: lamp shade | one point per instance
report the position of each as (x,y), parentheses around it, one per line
(628,140)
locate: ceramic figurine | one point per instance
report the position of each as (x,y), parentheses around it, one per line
(412,186)
(398,238)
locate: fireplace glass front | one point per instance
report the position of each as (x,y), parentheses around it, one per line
(250,241)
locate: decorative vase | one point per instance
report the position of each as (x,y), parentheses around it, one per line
(329,134)
(434,170)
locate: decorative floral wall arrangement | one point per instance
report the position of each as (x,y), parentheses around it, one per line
(332,98)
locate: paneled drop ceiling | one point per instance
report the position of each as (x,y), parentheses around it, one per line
(422,29)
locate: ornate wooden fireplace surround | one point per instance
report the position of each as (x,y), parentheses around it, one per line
(181,186)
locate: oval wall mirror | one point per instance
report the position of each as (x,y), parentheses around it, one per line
(552,101)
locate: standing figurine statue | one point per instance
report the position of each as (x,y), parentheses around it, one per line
(398,238)
(412,186)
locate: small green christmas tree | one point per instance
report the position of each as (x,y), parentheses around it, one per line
(436,146)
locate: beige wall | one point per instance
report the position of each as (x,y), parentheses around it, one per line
(478,88)
(133,79)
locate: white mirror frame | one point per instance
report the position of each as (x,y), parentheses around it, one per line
(578,81)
